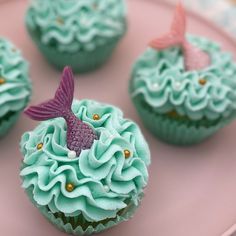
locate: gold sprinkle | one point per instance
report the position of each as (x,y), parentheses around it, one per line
(96,117)
(60,21)
(95,6)
(13,49)
(40,146)
(2,81)
(70,187)
(202,81)
(127,153)
(173,114)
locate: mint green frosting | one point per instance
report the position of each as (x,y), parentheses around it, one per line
(16,90)
(104,179)
(159,77)
(82,25)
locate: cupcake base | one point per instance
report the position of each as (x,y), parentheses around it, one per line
(7,123)
(81,61)
(65,224)
(174,131)
(70,225)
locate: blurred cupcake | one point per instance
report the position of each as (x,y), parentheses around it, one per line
(82,34)
(86,172)
(184,88)
(15,86)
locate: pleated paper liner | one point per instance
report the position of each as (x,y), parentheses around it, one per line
(78,225)
(175,131)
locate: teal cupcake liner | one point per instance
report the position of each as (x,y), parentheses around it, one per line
(81,61)
(65,226)
(63,223)
(5,125)
(177,132)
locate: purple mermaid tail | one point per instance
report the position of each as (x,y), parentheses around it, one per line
(80,136)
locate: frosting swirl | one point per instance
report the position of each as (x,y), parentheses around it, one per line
(102,177)
(15,87)
(159,78)
(72,25)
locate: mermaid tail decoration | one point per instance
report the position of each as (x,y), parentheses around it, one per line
(80,136)
(194,58)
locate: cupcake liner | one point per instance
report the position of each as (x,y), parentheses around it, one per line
(5,125)
(176,132)
(81,61)
(64,224)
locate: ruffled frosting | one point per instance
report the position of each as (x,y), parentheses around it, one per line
(72,25)
(15,87)
(104,179)
(160,80)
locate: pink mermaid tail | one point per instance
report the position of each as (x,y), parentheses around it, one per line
(80,136)
(194,58)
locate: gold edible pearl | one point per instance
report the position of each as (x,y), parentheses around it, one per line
(70,187)
(127,153)
(2,81)
(40,146)
(202,81)
(173,114)
(95,6)
(96,117)
(60,21)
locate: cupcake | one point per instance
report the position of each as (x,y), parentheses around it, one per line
(85,168)
(184,87)
(82,34)
(15,86)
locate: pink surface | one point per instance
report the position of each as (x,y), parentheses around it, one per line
(231,231)
(191,190)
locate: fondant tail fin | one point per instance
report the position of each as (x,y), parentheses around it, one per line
(176,36)
(60,105)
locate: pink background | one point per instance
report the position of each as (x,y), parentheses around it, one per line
(191,190)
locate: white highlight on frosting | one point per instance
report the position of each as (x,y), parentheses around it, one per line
(156,86)
(106,188)
(229,72)
(177,85)
(71,154)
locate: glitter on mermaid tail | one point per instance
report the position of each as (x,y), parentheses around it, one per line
(80,136)
(194,58)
